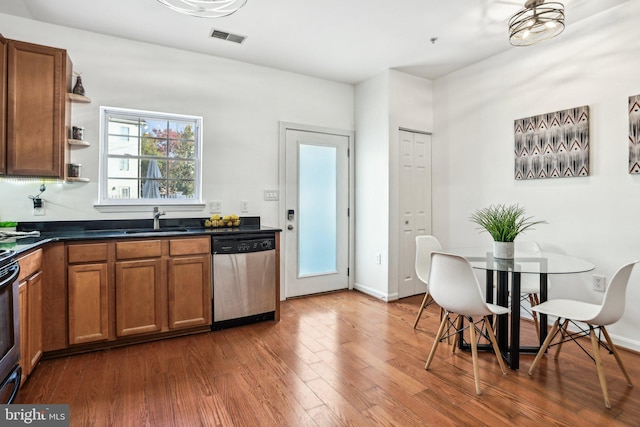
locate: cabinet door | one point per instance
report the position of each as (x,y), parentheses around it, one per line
(36,94)
(189,291)
(34,302)
(88,303)
(3,104)
(24,329)
(138,297)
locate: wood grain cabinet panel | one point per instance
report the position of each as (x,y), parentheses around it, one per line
(38,78)
(3,105)
(138,249)
(189,291)
(138,297)
(88,303)
(30,306)
(89,252)
(34,298)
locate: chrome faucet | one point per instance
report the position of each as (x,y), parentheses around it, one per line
(156,218)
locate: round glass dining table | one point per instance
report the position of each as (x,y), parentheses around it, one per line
(525,262)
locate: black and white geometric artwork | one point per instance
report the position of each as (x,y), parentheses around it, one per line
(553,145)
(634,134)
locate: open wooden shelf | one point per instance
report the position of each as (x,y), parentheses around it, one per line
(73,97)
(79,142)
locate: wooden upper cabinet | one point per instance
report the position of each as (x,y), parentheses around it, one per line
(3,105)
(38,79)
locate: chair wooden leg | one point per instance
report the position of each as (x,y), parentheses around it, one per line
(474,354)
(563,333)
(494,343)
(545,345)
(439,335)
(616,355)
(596,356)
(456,337)
(533,303)
(422,306)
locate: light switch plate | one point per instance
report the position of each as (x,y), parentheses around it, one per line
(271,195)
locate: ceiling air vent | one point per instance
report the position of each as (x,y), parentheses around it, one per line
(223,35)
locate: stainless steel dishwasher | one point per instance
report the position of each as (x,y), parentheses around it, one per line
(244,279)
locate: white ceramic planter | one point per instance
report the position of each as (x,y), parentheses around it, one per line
(503,250)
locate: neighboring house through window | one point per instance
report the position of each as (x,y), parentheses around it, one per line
(150,158)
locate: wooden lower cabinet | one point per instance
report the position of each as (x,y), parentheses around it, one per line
(138,297)
(130,289)
(30,306)
(189,291)
(88,303)
(88,292)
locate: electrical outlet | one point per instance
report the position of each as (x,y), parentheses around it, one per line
(379,259)
(215,206)
(39,211)
(599,283)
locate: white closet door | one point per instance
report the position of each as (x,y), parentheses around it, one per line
(415,205)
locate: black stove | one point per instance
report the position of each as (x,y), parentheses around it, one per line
(10,371)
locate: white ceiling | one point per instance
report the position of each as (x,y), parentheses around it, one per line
(342,40)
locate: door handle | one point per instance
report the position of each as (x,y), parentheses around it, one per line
(289,227)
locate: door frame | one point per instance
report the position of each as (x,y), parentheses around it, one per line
(282,208)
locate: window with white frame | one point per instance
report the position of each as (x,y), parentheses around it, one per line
(150,158)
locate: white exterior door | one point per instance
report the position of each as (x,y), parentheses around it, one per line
(415,205)
(316,230)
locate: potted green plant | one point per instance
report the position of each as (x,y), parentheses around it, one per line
(503,223)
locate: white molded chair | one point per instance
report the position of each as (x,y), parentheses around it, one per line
(424,246)
(454,286)
(596,316)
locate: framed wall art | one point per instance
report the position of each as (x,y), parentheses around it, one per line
(634,134)
(552,145)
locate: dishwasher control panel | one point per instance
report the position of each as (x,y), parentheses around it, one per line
(238,245)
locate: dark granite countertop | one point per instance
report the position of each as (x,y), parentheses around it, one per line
(54,231)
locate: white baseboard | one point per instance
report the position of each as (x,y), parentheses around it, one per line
(375,293)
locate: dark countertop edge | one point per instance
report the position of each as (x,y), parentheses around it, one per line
(27,244)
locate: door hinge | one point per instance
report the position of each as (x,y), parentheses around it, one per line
(348,211)
(348,152)
(347,271)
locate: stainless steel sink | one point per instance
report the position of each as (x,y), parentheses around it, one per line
(156,230)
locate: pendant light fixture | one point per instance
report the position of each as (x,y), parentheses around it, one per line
(538,21)
(205,8)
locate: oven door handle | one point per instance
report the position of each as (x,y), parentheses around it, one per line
(14,270)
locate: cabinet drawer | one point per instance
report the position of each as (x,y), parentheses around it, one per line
(29,264)
(200,245)
(139,249)
(90,252)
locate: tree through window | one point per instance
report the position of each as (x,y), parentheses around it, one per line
(162,152)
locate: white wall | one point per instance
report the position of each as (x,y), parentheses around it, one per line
(372,185)
(411,107)
(595,63)
(241,105)
(384,103)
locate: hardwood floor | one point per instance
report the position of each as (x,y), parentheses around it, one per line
(333,360)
